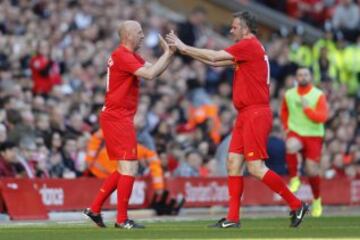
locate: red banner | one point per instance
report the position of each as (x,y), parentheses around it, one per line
(31,199)
(22,200)
(64,194)
(202,192)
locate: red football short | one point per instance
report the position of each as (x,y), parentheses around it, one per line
(251,131)
(312,146)
(120,136)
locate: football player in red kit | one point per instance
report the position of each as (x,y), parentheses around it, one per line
(125,67)
(254,121)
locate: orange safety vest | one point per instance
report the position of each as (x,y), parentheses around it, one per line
(198,115)
(100,165)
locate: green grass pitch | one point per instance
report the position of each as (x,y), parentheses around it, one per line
(260,228)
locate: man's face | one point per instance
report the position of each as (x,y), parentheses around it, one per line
(238,29)
(303,77)
(137,36)
(9,154)
(70,146)
(3,134)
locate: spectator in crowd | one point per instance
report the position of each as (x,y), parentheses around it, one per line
(191,165)
(347,18)
(191,31)
(70,157)
(3,133)
(45,72)
(9,167)
(56,164)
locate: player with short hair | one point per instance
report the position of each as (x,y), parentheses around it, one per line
(125,67)
(304,111)
(253,124)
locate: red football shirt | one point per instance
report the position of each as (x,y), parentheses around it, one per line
(252,73)
(122,86)
(42,79)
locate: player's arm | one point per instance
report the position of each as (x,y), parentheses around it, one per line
(150,71)
(221,63)
(211,56)
(284,114)
(321,111)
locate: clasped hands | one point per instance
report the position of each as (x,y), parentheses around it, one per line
(171,43)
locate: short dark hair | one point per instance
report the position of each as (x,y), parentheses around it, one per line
(304,67)
(249,20)
(7,145)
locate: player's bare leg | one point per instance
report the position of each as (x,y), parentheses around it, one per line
(258,169)
(293,147)
(235,168)
(128,170)
(312,170)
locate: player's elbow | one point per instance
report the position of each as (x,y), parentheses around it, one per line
(146,73)
(148,76)
(323,119)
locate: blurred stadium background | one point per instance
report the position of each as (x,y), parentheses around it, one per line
(53,57)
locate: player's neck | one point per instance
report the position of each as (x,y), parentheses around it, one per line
(302,90)
(247,36)
(128,46)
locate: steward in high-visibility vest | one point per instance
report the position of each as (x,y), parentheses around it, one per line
(327,66)
(352,68)
(326,42)
(301,55)
(304,111)
(202,109)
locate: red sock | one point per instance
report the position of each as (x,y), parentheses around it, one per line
(106,189)
(292,164)
(124,189)
(315,186)
(275,183)
(235,187)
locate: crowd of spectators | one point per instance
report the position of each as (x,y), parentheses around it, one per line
(341,15)
(53,57)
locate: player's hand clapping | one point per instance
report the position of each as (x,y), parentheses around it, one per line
(173,40)
(164,45)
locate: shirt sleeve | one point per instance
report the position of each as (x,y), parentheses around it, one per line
(284,115)
(321,111)
(241,51)
(131,63)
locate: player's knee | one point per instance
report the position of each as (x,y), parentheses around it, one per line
(312,169)
(128,168)
(293,145)
(233,166)
(257,170)
(233,170)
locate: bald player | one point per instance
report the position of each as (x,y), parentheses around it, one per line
(125,67)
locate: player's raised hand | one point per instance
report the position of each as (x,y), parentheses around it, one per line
(173,40)
(172,47)
(164,45)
